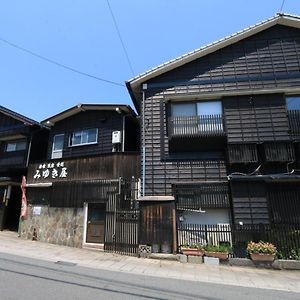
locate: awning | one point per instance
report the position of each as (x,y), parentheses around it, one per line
(39,185)
(156,198)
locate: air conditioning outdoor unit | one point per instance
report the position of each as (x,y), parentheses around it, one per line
(116,137)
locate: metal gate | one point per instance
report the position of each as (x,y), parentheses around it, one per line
(122,219)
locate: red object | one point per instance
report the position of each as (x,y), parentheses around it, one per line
(24,199)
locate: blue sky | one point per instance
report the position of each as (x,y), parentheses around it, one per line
(81,35)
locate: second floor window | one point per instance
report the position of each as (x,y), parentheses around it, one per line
(15,146)
(293,103)
(84,137)
(196,119)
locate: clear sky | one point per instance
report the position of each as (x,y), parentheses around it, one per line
(81,34)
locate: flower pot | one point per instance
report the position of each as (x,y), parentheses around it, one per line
(192,251)
(220,255)
(262,257)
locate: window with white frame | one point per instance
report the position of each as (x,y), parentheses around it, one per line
(12,146)
(84,137)
(57,146)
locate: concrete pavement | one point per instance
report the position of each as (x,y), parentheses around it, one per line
(238,276)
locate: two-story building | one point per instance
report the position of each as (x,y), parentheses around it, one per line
(77,194)
(220,133)
(22,140)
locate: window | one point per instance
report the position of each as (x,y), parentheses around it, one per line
(57,146)
(293,103)
(84,137)
(15,146)
(204,108)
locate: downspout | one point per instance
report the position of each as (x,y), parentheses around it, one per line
(143,142)
(123,134)
(28,151)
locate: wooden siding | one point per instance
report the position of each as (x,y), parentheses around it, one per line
(249,202)
(266,60)
(256,119)
(105,121)
(106,166)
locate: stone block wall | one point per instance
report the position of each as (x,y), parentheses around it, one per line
(62,226)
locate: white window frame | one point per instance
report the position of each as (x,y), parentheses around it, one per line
(57,153)
(15,142)
(82,144)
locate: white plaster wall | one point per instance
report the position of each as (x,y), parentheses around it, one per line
(210,217)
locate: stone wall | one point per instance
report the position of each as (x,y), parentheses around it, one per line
(62,226)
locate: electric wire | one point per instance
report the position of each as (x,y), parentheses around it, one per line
(59,64)
(282,4)
(120,37)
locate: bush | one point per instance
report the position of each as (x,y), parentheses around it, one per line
(220,248)
(261,247)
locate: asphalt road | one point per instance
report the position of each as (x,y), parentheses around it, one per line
(30,279)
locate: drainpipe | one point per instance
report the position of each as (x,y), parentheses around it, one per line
(28,151)
(143,142)
(123,134)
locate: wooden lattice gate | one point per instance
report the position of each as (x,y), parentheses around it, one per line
(122,220)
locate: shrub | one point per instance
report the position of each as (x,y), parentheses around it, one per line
(220,248)
(261,247)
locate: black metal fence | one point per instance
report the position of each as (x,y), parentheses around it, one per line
(286,237)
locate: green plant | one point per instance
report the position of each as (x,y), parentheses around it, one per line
(295,254)
(220,248)
(193,246)
(261,247)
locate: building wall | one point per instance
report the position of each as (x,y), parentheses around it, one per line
(266,60)
(61,226)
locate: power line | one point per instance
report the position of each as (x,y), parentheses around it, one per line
(59,64)
(282,4)
(120,37)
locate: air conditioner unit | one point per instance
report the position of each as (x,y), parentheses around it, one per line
(116,137)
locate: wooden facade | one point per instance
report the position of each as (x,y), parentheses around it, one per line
(251,74)
(19,137)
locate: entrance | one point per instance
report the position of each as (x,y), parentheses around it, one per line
(10,207)
(96,223)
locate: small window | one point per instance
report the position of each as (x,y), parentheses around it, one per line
(84,137)
(57,146)
(209,108)
(293,103)
(183,109)
(15,146)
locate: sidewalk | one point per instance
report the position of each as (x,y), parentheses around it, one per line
(239,276)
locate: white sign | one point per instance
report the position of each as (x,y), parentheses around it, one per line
(37,210)
(51,171)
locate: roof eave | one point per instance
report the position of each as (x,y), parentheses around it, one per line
(134,84)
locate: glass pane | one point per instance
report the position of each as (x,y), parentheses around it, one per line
(92,135)
(11,147)
(21,145)
(84,139)
(183,109)
(209,108)
(76,138)
(58,142)
(293,103)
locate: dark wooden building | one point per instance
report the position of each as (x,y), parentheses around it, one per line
(75,194)
(220,129)
(22,140)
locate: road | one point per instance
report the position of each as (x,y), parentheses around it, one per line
(30,279)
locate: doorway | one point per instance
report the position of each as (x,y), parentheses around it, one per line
(95,228)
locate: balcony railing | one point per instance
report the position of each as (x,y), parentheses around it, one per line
(294,122)
(196,126)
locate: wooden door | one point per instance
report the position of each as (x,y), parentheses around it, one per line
(96,223)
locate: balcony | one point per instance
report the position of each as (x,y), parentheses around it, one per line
(294,123)
(196,126)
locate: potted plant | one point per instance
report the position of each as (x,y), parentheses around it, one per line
(192,249)
(218,251)
(261,251)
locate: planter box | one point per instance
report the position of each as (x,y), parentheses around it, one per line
(220,255)
(262,257)
(191,251)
